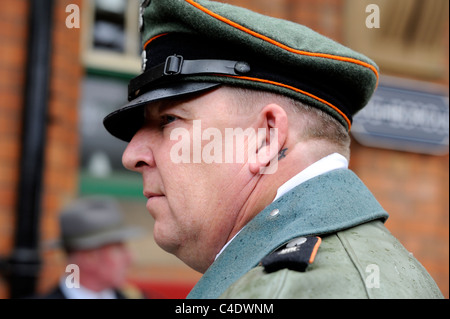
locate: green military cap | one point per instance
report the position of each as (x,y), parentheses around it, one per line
(192,46)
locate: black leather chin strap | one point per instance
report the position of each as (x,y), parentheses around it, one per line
(177,65)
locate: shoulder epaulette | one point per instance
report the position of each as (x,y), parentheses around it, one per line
(296,255)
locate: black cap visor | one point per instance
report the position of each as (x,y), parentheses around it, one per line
(127,120)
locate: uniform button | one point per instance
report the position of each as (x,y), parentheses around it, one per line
(274,213)
(242,67)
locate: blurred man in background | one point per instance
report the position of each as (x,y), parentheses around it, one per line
(94,237)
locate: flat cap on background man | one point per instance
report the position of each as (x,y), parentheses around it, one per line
(311,229)
(93,222)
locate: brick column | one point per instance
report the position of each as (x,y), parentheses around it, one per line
(60,173)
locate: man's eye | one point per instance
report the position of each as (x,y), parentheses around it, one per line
(167,119)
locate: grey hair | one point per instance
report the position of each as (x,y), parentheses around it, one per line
(316,125)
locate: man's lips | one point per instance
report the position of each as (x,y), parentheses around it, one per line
(151,198)
(149,195)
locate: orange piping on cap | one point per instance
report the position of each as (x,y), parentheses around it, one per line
(278,44)
(297,90)
(154,38)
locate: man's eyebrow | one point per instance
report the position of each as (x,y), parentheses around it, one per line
(171,104)
(178,107)
(157,108)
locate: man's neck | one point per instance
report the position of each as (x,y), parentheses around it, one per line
(271,187)
(265,186)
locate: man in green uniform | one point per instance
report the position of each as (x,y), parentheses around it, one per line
(239,125)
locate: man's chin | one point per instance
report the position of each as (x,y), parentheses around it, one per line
(165,241)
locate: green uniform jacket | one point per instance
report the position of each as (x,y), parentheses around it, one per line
(358,257)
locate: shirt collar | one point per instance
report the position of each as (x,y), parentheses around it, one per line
(84,293)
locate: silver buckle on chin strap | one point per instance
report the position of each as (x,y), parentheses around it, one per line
(174,64)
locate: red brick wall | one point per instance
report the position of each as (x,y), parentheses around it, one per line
(13,30)
(61,154)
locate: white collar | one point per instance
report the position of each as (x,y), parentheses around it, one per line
(84,293)
(322,166)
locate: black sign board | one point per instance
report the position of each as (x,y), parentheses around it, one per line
(406,120)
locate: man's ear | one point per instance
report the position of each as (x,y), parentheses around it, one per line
(272,133)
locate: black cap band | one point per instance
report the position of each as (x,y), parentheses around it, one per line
(176,65)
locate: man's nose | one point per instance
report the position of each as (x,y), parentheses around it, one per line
(138,153)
